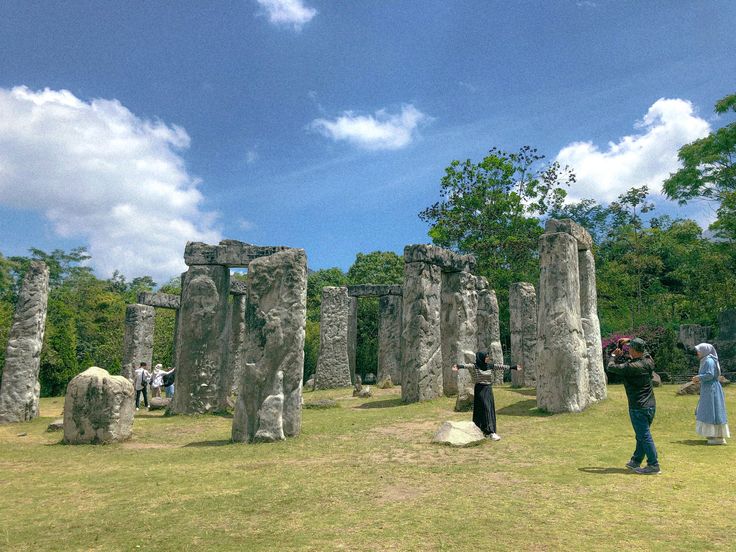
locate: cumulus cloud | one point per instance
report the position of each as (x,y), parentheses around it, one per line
(381,131)
(99,173)
(287,13)
(643,158)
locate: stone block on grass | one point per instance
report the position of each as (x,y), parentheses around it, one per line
(458,434)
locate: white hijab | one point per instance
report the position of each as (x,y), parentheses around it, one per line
(706,350)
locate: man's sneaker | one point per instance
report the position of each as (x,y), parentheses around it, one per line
(632,465)
(649,470)
(494,437)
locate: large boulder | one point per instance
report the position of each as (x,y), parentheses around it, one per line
(689,388)
(98,408)
(458,434)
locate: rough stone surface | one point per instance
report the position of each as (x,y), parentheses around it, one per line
(232,368)
(656,380)
(693,334)
(459,328)
(138,338)
(447,260)
(56,425)
(98,408)
(202,339)
(689,388)
(458,434)
(276,319)
(567,226)
(421,351)
(374,290)
(591,326)
(20,388)
(389,340)
(726,342)
(333,363)
(562,359)
(238,287)
(161,300)
(489,329)
(465,396)
(352,336)
(523,326)
(727,325)
(228,252)
(158,403)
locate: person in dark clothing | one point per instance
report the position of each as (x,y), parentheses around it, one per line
(484,406)
(636,372)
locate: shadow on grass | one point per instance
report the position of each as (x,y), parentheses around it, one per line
(691,442)
(523,408)
(215,443)
(605,471)
(387,403)
(521,391)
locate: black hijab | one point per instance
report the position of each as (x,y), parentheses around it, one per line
(480,360)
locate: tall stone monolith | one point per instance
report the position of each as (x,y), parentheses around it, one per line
(20,388)
(562,359)
(276,317)
(333,363)
(591,325)
(459,328)
(389,338)
(352,337)
(523,326)
(421,347)
(201,345)
(232,369)
(138,338)
(489,326)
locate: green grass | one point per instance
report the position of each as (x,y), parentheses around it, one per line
(365,476)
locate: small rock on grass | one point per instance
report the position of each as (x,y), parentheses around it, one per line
(458,434)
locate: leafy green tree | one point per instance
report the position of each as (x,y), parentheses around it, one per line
(315,282)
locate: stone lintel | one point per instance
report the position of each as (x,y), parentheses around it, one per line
(447,260)
(567,226)
(161,300)
(228,253)
(374,290)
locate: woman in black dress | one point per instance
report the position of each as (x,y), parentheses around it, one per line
(484,407)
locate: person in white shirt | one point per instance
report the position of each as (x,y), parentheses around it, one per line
(157,380)
(142,377)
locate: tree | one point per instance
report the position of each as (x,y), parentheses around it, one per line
(709,171)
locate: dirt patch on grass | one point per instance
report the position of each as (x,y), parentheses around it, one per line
(137,445)
(419,431)
(398,493)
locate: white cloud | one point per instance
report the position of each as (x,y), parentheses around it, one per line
(646,158)
(287,13)
(99,173)
(467,86)
(381,131)
(251,156)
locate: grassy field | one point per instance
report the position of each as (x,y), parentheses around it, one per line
(365,476)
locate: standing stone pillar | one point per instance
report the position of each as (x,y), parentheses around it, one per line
(232,368)
(20,390)
(389,339)
(333,363)
(202,339)
(421,351)
(270,397)
(591,325)
(562,360)
(138,338)
(489,326)
(459,327)
(523,314)
(352,336)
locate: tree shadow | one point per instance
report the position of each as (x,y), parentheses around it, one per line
(691,442)
(523,408)
(386,403)
(529,392)
(605,471)
(215,443)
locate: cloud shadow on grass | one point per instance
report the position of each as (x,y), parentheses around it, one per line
(523,408)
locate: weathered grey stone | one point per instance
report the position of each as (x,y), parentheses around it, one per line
(56,425)
(656,380)
(389,340)
(333,364)
(489,330)
(421,351)
(138,338)
(310,384)
(523,326)
(465,394)
(591,326)
(691,335)
(238,287)
(689,388)
(458,434)
(276,319)
(161,300)
(447,260)
(228,252)
(20,388)
(459,329)
(352,336)
(158,403)
(232,367)
(374,290)
(98,408)
(567,226)
(201,340)
(727,325)
(562,360)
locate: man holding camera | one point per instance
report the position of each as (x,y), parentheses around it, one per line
(636,371)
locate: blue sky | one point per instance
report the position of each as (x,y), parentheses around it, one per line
(132,128)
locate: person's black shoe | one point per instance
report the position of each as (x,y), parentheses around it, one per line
(649,470)
(632,465)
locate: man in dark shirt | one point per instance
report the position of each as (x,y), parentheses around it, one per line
(636,372)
